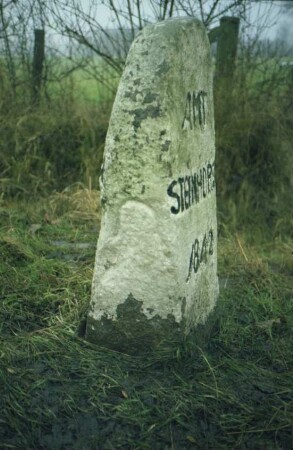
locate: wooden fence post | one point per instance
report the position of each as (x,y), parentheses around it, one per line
(38,61)
(227,47)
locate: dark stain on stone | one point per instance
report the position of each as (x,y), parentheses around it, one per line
(150,97)
(143,189)
(165,146)
(103,200)
(117,138)
(169,168)
(183,307)
(163,132)
(145,53)
(132,95)
(132,332)
(163,68)
(137,82)
(107,265)
(141,114)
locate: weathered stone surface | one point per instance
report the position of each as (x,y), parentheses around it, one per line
(156,263)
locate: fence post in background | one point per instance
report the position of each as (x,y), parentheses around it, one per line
(227,38)
(38,61)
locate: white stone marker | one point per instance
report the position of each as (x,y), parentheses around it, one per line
(156,263)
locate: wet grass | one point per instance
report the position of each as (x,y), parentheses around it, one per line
(60,392)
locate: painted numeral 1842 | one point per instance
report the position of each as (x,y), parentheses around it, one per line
(200,251)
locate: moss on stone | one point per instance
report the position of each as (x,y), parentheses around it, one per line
(132,332)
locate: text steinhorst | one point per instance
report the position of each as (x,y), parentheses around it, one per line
(190,189)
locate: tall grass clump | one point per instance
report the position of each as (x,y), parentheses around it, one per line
(253,119)
(49,145)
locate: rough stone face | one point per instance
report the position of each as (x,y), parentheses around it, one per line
(156,264)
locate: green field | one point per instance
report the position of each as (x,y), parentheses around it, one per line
(91,82)
(60,392)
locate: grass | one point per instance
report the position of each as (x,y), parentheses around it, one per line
(99,89)
(51,146)
(92,83)
(60,392)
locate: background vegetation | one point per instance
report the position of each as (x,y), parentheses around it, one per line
(58,391)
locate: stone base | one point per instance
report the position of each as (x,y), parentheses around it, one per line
(133,333)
